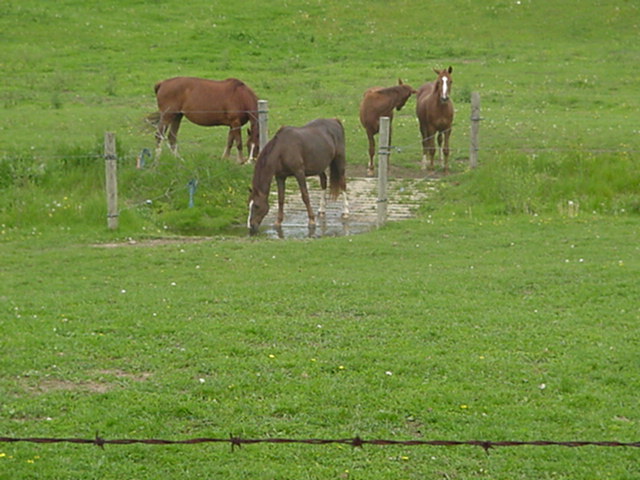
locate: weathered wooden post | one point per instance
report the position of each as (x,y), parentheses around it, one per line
(383,167)
(263,122)
(475,128)
(111,179)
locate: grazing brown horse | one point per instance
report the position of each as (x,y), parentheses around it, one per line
(434,109)
(207,103)
(299,152)
(380,102)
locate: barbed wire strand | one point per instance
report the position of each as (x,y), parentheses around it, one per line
(356,442)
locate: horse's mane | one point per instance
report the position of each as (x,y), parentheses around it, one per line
(236,84)
(260,171)
(387,90)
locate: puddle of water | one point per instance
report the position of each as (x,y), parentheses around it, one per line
(297,230)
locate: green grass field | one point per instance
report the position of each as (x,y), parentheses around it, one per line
(499,313)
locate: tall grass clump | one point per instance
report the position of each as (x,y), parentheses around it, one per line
(61,190)
(196,195)
(548,182)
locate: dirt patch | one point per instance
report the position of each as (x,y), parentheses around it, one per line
(153,242)
(136,377)
(56,385)
(100,385)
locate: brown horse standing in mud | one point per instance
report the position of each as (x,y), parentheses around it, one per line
(299,152)
(380,102)
(434,109)
(208,103)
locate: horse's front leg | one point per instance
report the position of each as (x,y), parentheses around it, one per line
(445,150)
(424,133)
(430,148)
(280,181)
(302,183)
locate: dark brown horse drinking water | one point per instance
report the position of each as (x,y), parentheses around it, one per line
(299,152)
(380,102)
(435,113)
(207,103)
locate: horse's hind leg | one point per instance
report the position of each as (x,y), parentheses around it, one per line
(322,211)
(345,206)
(302,183)
(234,137)
(280,181)
(161,133)
(173,134)
(372,150)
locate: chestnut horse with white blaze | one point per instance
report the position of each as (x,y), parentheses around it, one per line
(434,109)
(299,152)
(207,103)
(380,102)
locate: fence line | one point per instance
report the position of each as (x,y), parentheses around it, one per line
(353,442)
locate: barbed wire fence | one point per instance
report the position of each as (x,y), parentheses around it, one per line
(185,178)
(356,442)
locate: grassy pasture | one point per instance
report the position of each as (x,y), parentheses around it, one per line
(443,328)
(473,321)
(75,70)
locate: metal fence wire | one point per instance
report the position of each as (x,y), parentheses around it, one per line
(356,442)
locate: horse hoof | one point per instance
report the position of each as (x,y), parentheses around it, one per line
(370,173)
(322,214)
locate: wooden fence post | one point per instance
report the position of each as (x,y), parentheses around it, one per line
(383,167)
(263,122)
(111,179)
(475,128)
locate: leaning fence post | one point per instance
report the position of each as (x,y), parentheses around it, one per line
(475,128)
(263,122)
(111,179)
(383,165)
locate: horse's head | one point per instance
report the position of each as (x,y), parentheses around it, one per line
(258,209)
(444,83)
(405,92)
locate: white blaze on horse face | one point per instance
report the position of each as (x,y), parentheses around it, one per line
(249,218)
(445,88)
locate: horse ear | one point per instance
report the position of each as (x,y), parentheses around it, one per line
(437,71)
(400,81)
(450,69)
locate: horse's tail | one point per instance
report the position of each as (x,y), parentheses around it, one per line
(337,177)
